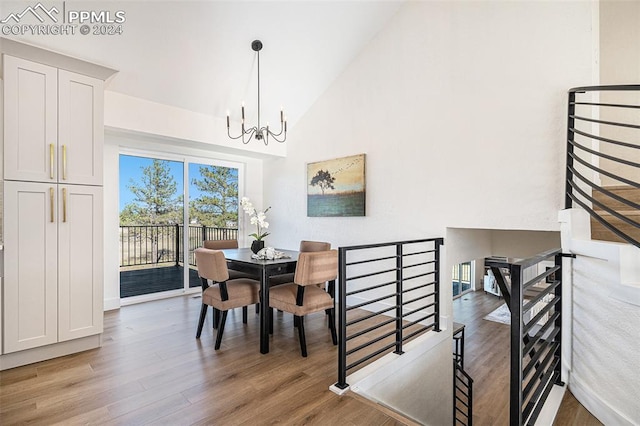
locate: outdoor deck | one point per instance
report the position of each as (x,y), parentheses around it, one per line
(154,280)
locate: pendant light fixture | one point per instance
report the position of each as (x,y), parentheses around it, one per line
(261,133)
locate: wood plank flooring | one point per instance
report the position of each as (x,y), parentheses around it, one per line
(152,370)
(487,361)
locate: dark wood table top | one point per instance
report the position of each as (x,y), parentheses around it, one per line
(244,255)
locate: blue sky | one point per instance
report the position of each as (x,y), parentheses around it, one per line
(131,168)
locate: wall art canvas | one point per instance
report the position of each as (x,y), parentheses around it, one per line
(336,187)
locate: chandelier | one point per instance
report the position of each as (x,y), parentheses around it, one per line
(260,133)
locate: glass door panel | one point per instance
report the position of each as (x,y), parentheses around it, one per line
(213,207)
(461,278)
(151,212)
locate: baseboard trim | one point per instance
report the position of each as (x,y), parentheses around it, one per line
(596,406)
(111,304)
(30,356)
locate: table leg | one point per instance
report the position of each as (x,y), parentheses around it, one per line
(264,312)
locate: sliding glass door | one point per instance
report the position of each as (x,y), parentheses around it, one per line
(213,207)
(166,205)
(461,277)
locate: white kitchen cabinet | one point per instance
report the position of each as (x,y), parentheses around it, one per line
(53,282)
(80,254)
(31,272)
(53,206)
(53,124)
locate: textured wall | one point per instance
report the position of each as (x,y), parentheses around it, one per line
(606,352)
(459,107)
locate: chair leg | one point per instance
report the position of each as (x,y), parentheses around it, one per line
(303,341)
(244,314)
(257,308)
(203,314)
(221,329)
(296,321)
(332,326)
(216,318)
(270,320)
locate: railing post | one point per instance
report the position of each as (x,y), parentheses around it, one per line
(515,400)
(204,232)
(177,245)
(558,322)
(398,299)
(571,110)
(436,278)
(342,319)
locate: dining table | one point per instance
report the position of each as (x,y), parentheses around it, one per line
(242,260)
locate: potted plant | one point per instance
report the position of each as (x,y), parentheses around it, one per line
(257,218)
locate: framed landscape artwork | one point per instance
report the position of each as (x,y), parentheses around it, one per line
(336,187)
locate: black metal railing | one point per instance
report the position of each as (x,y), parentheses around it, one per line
(156,244)
(462,381)
(534,299)
(603,145)
(462,396)
(388,293)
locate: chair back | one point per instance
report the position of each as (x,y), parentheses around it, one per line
(306,246)
(316,267)
(212,265)
(220,244)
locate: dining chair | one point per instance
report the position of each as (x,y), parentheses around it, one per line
(223,294)
(303,296)
(305,247)
(228,244)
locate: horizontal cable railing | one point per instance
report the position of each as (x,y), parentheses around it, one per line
(534,299)
(388,293)
(157,244)
(603,157)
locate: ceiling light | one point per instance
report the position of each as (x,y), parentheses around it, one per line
(260,133)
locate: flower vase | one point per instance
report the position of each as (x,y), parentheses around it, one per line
(257,245)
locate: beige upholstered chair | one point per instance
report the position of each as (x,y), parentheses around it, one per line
(305,247)
(304,296)
(228,244)
(223,294)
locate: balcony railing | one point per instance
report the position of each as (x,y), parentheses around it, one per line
(157,244)
(389,293)
(535,301)
(603,145)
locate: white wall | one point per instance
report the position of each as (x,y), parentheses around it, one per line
(620,64)
(604,318)
(460,108)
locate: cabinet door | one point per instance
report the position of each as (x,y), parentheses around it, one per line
(80,254)
(30,120)
(80,129)
(30,265)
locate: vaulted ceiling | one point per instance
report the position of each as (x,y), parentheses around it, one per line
(197,55)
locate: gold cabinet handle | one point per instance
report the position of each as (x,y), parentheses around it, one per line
(64,204)
(51,159)
(64,162)
(51,200)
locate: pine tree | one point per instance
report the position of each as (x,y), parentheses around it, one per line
(155,203)
(218,204)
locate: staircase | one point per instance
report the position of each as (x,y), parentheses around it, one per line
(599,231)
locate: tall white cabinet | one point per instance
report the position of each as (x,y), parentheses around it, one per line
(52,298)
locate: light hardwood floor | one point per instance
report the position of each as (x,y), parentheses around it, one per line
(152,370)
(487,361)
